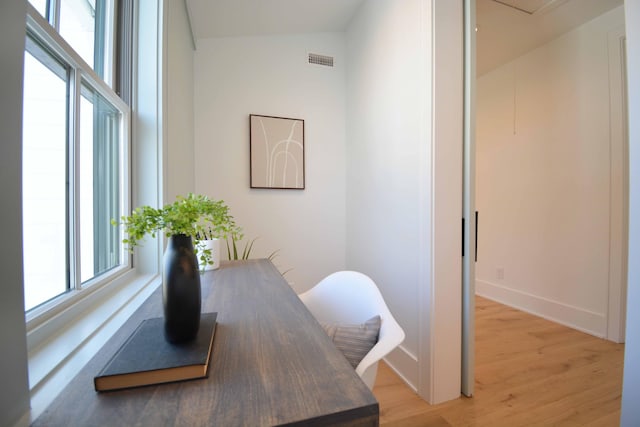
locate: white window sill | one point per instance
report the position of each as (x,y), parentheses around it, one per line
(54,362)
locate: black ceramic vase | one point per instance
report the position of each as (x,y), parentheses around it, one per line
(181,297)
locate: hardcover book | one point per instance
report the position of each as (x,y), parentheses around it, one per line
(147,358)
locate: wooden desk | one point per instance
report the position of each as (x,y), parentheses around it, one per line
(272,364)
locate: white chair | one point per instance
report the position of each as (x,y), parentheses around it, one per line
(349,297)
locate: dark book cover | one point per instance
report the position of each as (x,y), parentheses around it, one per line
(147,358)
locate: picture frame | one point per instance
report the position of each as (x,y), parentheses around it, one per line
(276,151)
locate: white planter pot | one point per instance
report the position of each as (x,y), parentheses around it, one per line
(214,246)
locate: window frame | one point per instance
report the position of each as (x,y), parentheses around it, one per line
(81,73)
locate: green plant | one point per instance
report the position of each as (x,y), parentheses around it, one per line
(194,215)
(234,254)
(232,250)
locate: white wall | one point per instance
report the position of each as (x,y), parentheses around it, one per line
(631,382)
(393,186)
(235,77)
(179,152)
(445,302)
(386,158)
(14,393)
(543,177)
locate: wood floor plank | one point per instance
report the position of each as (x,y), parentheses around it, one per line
(529,372)
(420,420)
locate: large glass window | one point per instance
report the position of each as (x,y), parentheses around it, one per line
(75,145)
(99,184)
(44,183)
(40,6)
(88,26)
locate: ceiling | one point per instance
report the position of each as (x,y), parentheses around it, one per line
(504,32)
(506,28)
(226,18)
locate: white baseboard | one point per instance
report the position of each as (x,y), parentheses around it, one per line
(405,365)
(568,315)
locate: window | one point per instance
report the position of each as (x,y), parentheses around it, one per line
(99,184)
(75,149)
(40,6)
(44,174)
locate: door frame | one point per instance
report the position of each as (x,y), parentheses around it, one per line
(619,187)
(468,202)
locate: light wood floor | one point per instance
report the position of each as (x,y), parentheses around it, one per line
(529,372)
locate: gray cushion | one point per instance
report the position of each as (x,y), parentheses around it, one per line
(354,341)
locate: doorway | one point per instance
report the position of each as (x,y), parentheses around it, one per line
(551,195)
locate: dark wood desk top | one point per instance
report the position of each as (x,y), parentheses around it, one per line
(272,364)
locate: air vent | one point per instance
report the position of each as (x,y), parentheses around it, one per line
(327,61)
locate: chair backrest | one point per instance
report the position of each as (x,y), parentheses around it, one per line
(352,297)
(345,297)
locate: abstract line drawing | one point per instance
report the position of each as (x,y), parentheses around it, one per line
(276,146)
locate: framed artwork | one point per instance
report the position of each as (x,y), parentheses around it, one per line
(276,150)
